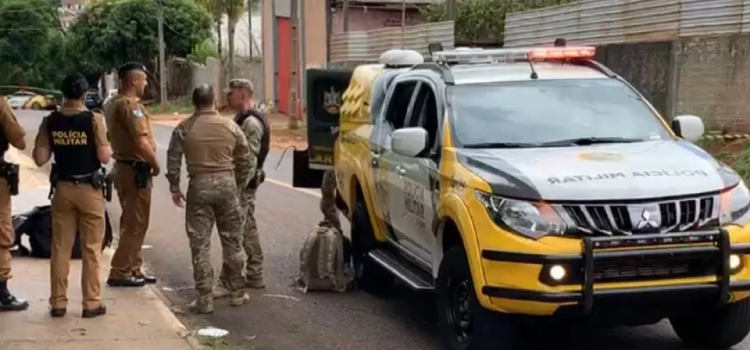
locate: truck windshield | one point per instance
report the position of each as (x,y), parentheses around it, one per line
(549,112)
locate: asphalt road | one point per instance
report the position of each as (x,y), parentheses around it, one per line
(281,318)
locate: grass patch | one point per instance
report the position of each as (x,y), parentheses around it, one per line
(181,105)
(221,344)
(735,153)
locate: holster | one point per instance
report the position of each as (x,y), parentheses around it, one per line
(10,172)
(142,174)
(258,179)
(100,180)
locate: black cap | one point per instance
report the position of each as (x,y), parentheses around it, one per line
(129,67)
(560,42)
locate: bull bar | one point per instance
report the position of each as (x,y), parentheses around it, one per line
(595,249)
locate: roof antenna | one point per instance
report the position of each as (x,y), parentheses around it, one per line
(534,76)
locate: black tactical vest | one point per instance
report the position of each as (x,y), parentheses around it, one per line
(73,143)
(265,140)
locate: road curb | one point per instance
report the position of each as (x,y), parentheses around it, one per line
(182,331)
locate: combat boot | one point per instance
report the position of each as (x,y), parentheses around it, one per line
(221,291)
(204,304)
(255,283)
(239,298)
(8,302)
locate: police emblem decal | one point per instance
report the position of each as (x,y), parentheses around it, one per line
(331,101)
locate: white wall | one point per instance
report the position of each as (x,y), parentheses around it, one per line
(242,39)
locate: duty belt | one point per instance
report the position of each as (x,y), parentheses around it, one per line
(87,179)
(142,172)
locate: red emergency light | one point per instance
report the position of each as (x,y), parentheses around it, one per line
(551,53)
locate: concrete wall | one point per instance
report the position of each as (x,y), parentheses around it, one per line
(367,19)
(714,80)
(647,66)
(184,76)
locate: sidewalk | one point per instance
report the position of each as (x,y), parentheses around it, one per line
(137,318)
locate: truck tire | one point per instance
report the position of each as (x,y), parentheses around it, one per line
(717,328)
(369,276)
(463,322)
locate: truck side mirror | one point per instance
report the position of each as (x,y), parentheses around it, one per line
(689,127)
(409,142)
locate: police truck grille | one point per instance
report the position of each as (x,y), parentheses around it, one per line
(683,215)
(628,270)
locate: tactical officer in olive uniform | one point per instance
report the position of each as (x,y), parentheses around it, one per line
(258,134)
(78,140)
(12,134)
(134,150)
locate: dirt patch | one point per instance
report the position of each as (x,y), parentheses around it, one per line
(168,116)
(281,139)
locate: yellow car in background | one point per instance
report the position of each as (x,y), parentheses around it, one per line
(38,102)
(23,99)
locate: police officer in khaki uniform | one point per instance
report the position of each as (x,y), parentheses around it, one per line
(77,138)
(134,150)
(218,163)
(12,134)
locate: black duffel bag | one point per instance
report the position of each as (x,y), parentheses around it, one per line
(37,225)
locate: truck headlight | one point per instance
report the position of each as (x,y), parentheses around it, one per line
(735,206)
(529,219)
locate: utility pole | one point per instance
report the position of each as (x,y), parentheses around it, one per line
(293,77)
(403,24)
(251,38)
(346,15)
(451,9)
(162,66)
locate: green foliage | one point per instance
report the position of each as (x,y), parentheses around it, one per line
(30,37)
(741,163)
(483,21)
(110,33)
(203,51)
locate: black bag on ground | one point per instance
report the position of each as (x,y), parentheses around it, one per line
(37,224)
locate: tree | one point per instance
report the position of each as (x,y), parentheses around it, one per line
(482,22)
(110,33)
(29,36)
(203,51)
(234,10)
(215,8)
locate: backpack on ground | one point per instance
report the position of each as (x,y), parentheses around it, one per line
(325,260)
(37,225)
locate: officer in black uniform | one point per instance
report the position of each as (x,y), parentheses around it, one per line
(78,139)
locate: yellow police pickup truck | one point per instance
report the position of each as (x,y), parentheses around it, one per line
(528,184)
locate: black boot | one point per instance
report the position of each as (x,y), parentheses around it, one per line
(8,302)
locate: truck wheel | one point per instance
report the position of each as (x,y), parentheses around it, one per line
(718,328)
(369,276)
(464,323)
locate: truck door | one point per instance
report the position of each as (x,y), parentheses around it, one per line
(325,88)
(392,181)
(418,176)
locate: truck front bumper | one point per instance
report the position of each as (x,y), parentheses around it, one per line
(713,245)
